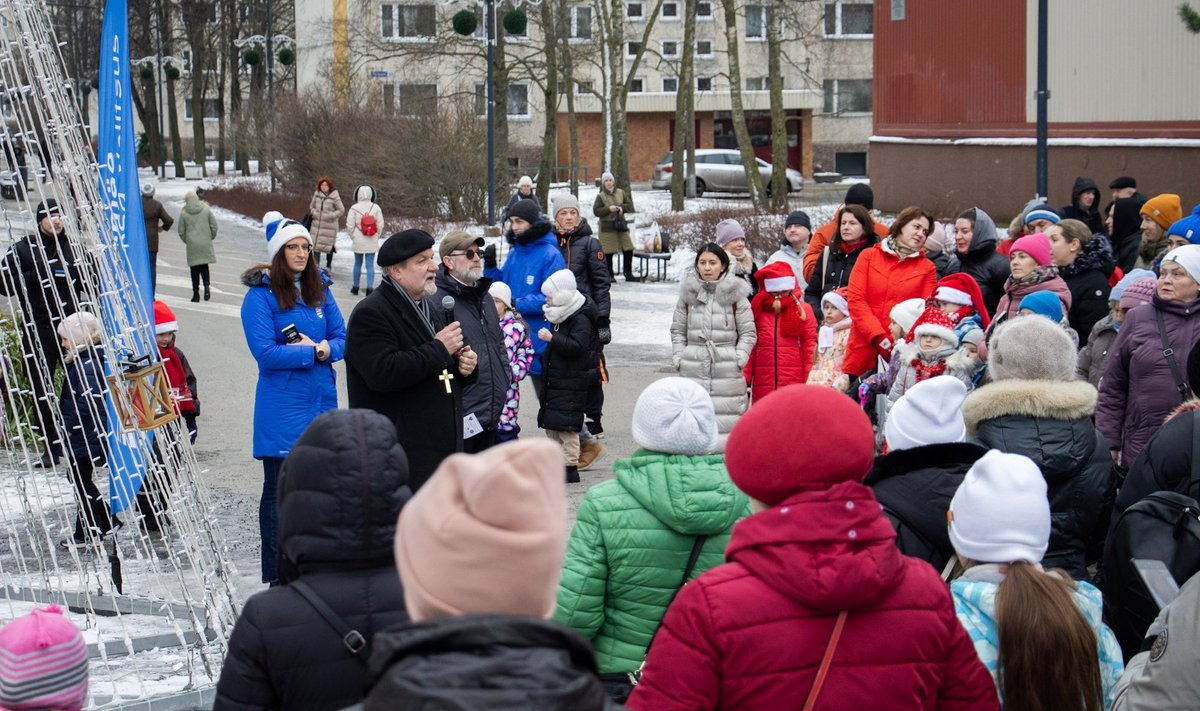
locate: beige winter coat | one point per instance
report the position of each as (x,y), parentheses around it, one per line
(326,210)
(364,205)
(712,334)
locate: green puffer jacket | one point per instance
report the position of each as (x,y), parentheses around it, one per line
(631,542)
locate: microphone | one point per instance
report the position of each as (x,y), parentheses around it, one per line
(448,308)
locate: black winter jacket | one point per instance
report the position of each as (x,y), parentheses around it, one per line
(988,267)
(475,311)
(582,253)
(1087,278)
(340,493)
(833,273)
(914,487)
(1051,423)
(485,663)
(569,365)
(43,273)
(1089,216)
(1164,464)
(82,399)
(1126,232)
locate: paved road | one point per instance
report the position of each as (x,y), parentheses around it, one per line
(211,336)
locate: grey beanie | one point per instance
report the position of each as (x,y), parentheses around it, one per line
(562,201)
(1031,349)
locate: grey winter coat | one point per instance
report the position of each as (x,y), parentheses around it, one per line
(1138,391)
(198,229)
(1164,678)
(1094,356)
(712,334)
(958,365)
(326,210)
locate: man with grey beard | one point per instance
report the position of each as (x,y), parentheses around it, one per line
(406,360)
(461,278)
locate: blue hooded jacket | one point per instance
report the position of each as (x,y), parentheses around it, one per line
(534,257)
(293,387)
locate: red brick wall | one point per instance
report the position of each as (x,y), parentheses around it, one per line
(649,139)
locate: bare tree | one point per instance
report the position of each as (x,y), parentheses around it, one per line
(553,23)
(685,85)
(198,23)
(753,180)
(779,196)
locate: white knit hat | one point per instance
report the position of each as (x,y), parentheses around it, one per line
(279,231)
(929,413)
(675,416)
(1188,257)
(907,312)
(558,287)
(500,290)
(1000,513)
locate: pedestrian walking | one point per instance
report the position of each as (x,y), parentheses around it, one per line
(157,219)
(197,230)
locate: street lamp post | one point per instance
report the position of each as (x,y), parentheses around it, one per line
(490,22)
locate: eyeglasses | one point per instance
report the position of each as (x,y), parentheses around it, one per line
(301,247)
(472,253)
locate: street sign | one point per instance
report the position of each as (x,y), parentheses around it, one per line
(380,74)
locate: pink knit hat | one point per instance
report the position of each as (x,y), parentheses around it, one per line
(486,534)
(1036,245)
(1139,292)
(43,662)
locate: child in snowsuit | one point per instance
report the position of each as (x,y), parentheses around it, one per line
(520,357)
(569,364)
(831,342)
(787,332)
(932,351)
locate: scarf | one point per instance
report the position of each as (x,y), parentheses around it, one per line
(1149,251)
(791,314)
(424,314)
(556,314)
(930,365)
(893,246)
(826,332)
(1037,276)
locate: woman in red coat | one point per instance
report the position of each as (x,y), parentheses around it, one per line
(890,272)
(787,332)
(817,564)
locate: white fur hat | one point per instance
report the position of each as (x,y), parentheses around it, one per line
(675,416)
(1031,349)
(148,189)
(929,413)
(500,290)
(907,312)
(558,287)
(1000,513)
(80,329)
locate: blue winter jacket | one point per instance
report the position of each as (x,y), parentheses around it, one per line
(534,257)
(82,400)
(293,387)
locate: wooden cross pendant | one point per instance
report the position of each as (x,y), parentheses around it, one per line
(446,377)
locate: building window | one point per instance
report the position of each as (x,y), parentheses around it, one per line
(704,11)
(848,19)
(757,17)
(581,87)
(757,84)
(212,110)
(633,49)
(637,85)
(898,7)
(579,22)
(408,21)
(703,83)
(670,84)
(670,10)
(518,100)
(847,96)
(670,49)
(704,48)
(416,99)
(850,163)
(634,11)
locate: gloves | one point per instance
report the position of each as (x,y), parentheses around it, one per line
(489,257)
(605,335)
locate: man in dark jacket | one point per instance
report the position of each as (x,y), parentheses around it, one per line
(42,272)
(340,492)
(1085,205)
(461,278)
(157,218)
(975,255)
(404,361)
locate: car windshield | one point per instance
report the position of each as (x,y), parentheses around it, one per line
(763,164)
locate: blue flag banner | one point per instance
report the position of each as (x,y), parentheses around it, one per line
(125,244)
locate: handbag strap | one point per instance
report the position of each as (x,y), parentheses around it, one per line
(823,671)
(351,638)
(824,265)
(1169,354)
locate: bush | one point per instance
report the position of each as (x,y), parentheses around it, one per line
(19,410)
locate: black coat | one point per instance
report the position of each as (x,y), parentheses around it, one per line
(82,401)
(569,365)
(1051,423)
(43,273)
(1090,216)
(833,273)
(475,311)
(582,253)
(914,487)
(485,662)
(1126,232)
(340,493)
(1087,278)
(395,367)
(1164,464)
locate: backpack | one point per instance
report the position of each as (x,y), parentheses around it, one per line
(1162,526)
(367,225)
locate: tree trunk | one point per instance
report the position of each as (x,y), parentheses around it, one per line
(753,179)
(568,77)
(683,106)
(241,157)
(172,109)
(779,148)
(549,14)
(619,85)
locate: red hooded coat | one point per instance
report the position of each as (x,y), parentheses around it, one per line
(787,341)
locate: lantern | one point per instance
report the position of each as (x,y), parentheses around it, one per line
(142,396)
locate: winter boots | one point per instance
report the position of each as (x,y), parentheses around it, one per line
(207,293)
(589,451)
(572,475)
(195,295)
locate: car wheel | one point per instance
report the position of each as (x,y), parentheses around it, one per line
(769,189)
(700,187)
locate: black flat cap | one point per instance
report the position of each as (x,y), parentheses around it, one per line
(1123,182)
(402,245)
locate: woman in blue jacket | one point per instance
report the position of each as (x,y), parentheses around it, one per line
(296,333)
(534,257)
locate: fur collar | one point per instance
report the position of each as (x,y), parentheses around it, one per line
(1049,399)
(1097,254)
(727,290)
(946,455)
(1189,406)
(260,275)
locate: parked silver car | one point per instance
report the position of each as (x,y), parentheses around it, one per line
(720,170)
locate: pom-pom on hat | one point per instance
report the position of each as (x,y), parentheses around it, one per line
(279,231)
(776,276)
(816,456)
(486,534)
(1139,292)
(1044,303)
(728,230)
(907,312)
(1036,245)
(1164,209)
(525,209)
(500,290)
(675,416)
(1042,212)
(935,322)
(164,318)
(1000,513)
(837,299)
(43,662)
(929,413)
(1188,257)
(1187,228)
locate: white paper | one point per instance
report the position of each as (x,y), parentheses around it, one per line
(471,426)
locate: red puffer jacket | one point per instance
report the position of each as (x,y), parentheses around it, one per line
(750,634)
(779,359)
(880,280)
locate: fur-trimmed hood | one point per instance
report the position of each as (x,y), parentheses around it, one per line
(1097,254)
(727,290)
(260,275)
(1048,399)
(1186,407)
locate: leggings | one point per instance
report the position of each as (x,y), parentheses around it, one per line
(369,258)
(199,272)
(93,509)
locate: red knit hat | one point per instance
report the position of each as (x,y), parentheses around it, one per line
(815,456)
(962,284)
(164,319)
(1036,246)
(935,322)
